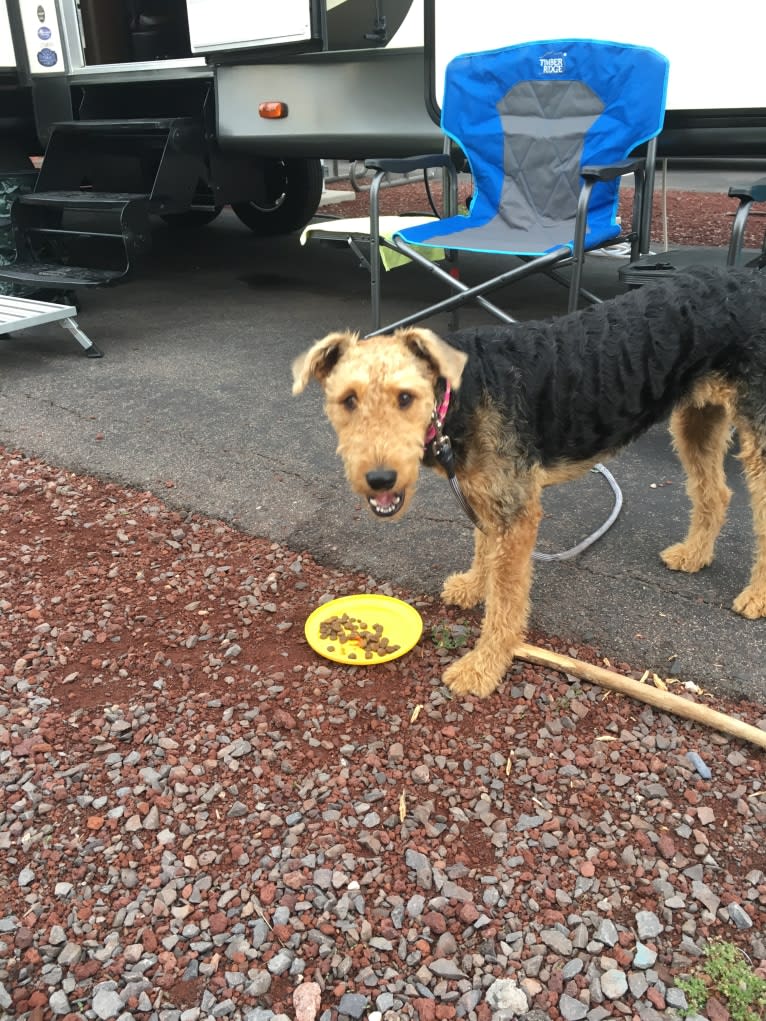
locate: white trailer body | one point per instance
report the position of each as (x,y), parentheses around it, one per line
(714,64)
(7,56)
(716,104)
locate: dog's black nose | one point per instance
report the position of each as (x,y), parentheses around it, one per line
(381,478)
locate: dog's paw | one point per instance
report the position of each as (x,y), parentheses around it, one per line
(751,603)
(470,675)
(462,590)
(682,557)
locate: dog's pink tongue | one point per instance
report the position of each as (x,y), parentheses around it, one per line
(387,499)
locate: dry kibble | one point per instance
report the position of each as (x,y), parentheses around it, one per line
(346,629)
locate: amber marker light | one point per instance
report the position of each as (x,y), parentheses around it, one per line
(272,110)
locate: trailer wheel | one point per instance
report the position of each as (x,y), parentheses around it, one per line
(294,188)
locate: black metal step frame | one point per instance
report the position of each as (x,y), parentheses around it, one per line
(87,220)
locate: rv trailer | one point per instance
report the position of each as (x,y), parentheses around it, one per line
(175,108)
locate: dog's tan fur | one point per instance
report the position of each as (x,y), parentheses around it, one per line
(364,382)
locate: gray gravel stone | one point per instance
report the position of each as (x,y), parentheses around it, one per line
(57,935)
(529,822)
(446,969)
(59,1002)
(415,905)
(420,864)
(280,962)
(107,1003)
(572,1009)
(505,995)
(648,925)
(580,936)
(353,1005)
(572,968)
(614,984)
(739,916)
(151,820)
(706,897)
(676,998)
(259,984)
(453,891)
(70,955)
(644,956)
(607,933)
(557,941)
(385,1002)
(637,983)
(224,1009)
(379,943)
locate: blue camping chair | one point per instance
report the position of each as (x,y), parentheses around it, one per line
(547,129)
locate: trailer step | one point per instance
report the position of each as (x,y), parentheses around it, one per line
(85,199)
(88,219)
(128,126)
(51,276)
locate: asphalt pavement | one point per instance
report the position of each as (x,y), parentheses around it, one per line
(192,401)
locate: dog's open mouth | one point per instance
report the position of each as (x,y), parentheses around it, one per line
(386,504)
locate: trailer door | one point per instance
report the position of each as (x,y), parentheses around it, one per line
(216,25)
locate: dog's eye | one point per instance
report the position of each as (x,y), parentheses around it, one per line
(349,402)
(405,399)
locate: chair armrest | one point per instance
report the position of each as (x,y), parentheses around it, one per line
(755,192)
(747,195)
(591,176)
(608,171)
(402,165)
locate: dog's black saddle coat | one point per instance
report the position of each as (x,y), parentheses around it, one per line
(576,387)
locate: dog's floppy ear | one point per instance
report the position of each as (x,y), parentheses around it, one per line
(446,360)
(320,359)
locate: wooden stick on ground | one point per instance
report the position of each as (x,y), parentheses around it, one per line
(644,692)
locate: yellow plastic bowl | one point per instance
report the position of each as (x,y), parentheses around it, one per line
(402,626)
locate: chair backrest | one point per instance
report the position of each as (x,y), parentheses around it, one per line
(529,116)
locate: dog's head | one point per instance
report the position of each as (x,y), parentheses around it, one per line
(380,396)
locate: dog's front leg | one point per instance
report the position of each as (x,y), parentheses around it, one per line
(469,588)
(507,559)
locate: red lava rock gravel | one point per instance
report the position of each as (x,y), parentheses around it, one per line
(200,818)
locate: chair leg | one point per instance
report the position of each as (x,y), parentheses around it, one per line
(738,232)
(578,244)
(375,249)
(454,272)
(643,178)
(469,293)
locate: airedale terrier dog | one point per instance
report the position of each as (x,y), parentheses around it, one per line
(531,404)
